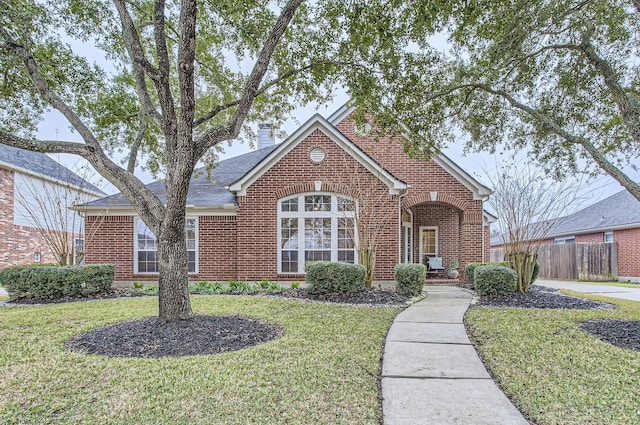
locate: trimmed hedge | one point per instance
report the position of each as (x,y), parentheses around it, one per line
(494,280)
(51,282)
(410,278)
(325,277)
(470,268)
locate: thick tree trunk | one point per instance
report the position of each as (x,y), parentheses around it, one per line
(173,281)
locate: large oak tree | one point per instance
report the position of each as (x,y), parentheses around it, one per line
(557,76)
(186,77)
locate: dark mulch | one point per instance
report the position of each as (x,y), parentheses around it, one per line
(104,295)
(542,297)
(621,333)
(150,337)
(368,296)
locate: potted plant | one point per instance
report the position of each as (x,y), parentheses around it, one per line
(453,272)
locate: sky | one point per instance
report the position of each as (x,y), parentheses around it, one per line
(55,127)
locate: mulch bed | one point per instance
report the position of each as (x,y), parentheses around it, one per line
(368,297)
(621,333)
(103,295)
(150,337)
(542,297)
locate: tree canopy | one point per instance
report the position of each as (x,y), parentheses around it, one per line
(187,75)
(559,77)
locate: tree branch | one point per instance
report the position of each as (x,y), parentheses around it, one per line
(145,201)
(136,51)
(291,73)
(163,85)
(137,142)
(598,157)
(45,146)
(628,104)
(232,128)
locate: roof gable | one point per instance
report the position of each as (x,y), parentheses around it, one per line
(317,122)
(480,191)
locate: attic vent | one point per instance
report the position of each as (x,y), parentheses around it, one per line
(317,155)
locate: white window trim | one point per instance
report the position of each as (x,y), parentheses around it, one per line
(135,247)
(406,228)
(564,239)
(604,236)
(301,214)
(437,240)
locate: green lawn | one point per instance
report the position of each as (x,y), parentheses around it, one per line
(554,371)
(615,283)
(324,369)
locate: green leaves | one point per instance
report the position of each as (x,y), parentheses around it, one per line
(506,65)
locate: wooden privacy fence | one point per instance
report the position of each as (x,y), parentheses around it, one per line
(575,261)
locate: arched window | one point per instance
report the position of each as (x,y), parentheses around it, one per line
(313,227)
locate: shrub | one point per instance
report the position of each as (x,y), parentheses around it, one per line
(470,268)
(239,286)
(51,282)
(536,272)
(410,278)
(295,284)
(324,277)
(494,280)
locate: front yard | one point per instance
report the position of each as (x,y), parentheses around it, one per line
(555,372)
(324,369)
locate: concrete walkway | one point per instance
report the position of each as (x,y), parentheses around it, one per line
(605,290)
(431,374)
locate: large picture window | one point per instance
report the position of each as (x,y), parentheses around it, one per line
(146,251)
(314,227)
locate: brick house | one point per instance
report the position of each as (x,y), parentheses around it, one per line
(263,214)
(21,174)
(615,219)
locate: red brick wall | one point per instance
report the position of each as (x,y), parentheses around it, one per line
(455,212)
(628,252)
(217,248)
(447,220)
(17,243)
(296,173)
(591,237)
(426,177)
(112,243)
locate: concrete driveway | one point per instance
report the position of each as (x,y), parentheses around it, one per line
(595,289)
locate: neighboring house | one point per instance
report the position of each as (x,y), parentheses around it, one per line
(265,213)
(25,175)
(614,219)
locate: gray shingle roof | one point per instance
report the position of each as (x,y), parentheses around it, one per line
(39,163)
(203,191)
(621,209)
(616,211)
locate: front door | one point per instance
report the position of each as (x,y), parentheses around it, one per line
(428,243)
